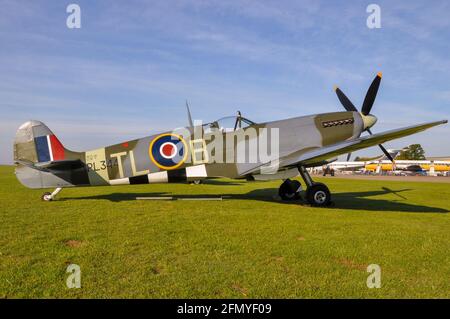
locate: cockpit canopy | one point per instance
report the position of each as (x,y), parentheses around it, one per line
(228,124)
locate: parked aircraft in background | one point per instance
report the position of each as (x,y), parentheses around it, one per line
(383,165)
(353,166)
(413,166)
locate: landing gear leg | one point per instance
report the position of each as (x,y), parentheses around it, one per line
(290,190)
(317,194)
(47,196)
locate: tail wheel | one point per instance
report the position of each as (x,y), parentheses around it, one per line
(47,197)
(290,190)
(318,195)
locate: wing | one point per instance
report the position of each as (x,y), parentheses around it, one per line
(311,157)
(322,153)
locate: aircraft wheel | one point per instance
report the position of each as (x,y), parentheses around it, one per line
(197,182)
(290,190)
(47,197)
(318,195)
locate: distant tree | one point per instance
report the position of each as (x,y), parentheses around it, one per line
(412,152)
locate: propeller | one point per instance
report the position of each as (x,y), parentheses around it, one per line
(382,148)
(348,105)
(369,120)
(348,156)
(371,94)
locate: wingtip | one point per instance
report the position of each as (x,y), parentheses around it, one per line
(335,88)
(380,74)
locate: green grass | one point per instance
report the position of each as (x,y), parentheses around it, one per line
(248,246)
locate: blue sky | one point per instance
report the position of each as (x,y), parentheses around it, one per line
(127,72)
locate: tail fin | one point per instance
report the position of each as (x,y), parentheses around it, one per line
(42,161)
(36,143)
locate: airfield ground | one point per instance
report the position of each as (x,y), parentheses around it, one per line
(249,245)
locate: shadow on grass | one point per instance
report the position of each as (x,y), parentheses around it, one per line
(359,201)
(213,181)
(350,200)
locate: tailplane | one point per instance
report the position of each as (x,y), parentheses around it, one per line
(41,159)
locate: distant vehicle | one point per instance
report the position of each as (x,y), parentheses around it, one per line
(328,170)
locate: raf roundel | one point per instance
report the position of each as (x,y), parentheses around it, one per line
(168,151)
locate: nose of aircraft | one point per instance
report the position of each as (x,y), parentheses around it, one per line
(369,120)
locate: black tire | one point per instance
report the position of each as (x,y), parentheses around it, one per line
(289,190)
(45,197)
(318,195)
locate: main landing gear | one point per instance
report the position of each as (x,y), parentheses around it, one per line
(317,194)
(47,196)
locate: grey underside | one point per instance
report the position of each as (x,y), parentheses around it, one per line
(34,178)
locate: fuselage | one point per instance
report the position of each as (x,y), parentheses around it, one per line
(191,153)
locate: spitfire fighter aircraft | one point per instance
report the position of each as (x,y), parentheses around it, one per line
(301,142)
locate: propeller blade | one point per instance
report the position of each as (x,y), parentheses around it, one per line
(382,148)
(386,153)
(371,94)
(348,156)
(348,105)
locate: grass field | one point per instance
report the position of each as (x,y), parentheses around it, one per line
(247,246)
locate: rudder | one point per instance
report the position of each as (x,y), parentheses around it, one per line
(36,143)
